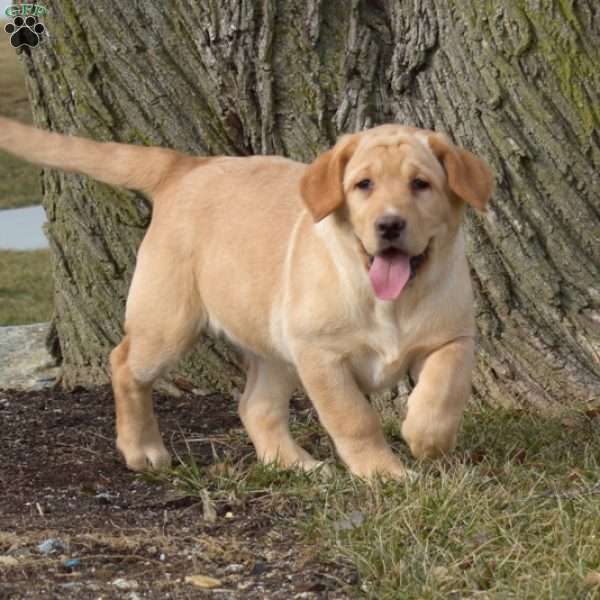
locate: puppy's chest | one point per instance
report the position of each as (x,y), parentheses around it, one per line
(385,355)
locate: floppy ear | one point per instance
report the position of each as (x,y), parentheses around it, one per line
(469,177)
(321,185)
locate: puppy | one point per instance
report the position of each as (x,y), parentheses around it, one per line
(340,276)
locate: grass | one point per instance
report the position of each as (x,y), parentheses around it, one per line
(25,277)
(514,513)
(25,287)
(19,181)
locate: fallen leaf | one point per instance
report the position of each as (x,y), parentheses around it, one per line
(439,572)
(592,413)
(8,561)
(592,578)
(476,456)
(202,581)
(519,456)
(184,384)
(465,563)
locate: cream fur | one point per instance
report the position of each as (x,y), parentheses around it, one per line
(232,247)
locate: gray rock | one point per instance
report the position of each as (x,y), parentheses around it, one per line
(234,569)
(25,363)
(125,584)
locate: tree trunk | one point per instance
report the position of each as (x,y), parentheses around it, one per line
(517,82)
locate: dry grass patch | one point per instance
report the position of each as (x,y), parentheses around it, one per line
(515,513)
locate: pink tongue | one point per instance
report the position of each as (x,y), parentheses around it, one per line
(389,274)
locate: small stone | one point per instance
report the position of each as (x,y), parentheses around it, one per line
(51,546)
(125,584)
(229,515)
(244,585)
(259,568)
(71,585)
(104,498)
(202,581)
(233,568)
(355,519)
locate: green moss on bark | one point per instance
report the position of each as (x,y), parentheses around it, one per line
(515,82)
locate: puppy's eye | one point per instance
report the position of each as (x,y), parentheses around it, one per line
(418,184)
(365,184)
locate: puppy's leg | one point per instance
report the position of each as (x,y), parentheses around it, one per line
(138,436)
(136,363)
(436,405)
(264,410)
(164,317)
(348,417)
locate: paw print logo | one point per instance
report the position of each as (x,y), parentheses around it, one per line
(25,32)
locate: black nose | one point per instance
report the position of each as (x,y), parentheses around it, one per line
(389,227)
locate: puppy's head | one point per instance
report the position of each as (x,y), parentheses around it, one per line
(401,191)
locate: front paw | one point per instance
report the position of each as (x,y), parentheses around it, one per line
(375,464)
(429,437)
(288,455)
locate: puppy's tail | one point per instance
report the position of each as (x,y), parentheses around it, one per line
(135,167)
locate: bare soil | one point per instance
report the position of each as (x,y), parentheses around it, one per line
(61,478)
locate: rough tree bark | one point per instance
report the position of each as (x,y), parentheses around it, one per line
(516,81)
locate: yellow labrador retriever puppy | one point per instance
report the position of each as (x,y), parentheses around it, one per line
(341,276)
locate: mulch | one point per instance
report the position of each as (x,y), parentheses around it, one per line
(120,535)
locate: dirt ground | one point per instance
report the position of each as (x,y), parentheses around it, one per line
(124,535)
